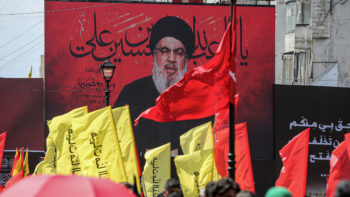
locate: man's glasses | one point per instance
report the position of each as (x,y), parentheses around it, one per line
(179,52)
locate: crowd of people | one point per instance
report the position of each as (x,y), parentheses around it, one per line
(226,187)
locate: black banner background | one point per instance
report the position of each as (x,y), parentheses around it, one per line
(326,111)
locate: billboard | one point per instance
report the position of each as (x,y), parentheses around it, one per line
(322,109)
(81,36)
(22,110)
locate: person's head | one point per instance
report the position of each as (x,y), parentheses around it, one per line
(278,192)
(211,189)
(132,188)
(343,188)
(227,187)
(244,193)
(172,44)
(172,186)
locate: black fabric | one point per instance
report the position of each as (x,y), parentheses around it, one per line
(171,26)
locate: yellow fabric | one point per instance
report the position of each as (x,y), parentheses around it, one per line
(19,164)
(98,145)
(194,170)
(157,169)
(26,164)
(199,138)
(48,165)
(30,73)
(63,143)
(122,121)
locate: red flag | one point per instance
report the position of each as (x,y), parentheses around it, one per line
(221,131)
(198,92)
(232,65)
(294,158)
(339,165)
(2,146)
(15,179)
(244,170)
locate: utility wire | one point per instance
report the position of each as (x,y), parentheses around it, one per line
(21,34)
(21,47)
(21,54)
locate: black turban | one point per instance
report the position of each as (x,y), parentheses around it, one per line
(171,26)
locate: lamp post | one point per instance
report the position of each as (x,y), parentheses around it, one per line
(107,70)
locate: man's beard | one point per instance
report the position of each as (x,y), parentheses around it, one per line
(162,82)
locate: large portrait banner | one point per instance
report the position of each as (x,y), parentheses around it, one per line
(81,36)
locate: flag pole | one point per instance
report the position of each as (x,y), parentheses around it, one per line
(231,155)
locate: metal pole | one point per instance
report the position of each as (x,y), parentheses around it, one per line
(107,93)
(231,155)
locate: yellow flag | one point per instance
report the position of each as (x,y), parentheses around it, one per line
(98,145)
(63,142)
(30,73)
(48,165)
(157,169)
(121,117)
(194,170)
(19,164)
(26,164)
(199,138)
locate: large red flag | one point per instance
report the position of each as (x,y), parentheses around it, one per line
(339,165)
(2,146)
(294,158)
(244,170)
(221,133)
(201,91)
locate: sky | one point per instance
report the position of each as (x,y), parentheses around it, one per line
(21,37)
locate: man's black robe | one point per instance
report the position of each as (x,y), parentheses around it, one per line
(141,95)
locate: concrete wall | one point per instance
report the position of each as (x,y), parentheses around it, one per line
(280,24)
(324,45)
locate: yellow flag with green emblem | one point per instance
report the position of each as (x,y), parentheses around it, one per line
(122,121)
(98,145)
(63,148)
(194,170)
(157,169)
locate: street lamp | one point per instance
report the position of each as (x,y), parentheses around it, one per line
(107,70)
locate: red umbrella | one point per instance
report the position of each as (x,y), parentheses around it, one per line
(57,186)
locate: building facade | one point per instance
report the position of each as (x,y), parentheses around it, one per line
(312,46)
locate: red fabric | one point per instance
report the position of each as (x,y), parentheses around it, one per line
(232,65)
(221,131)
(198,92)
(244,170)
(2,145)
(15,160)
(339,165)
(67,186)
(14,179)
(295,158)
